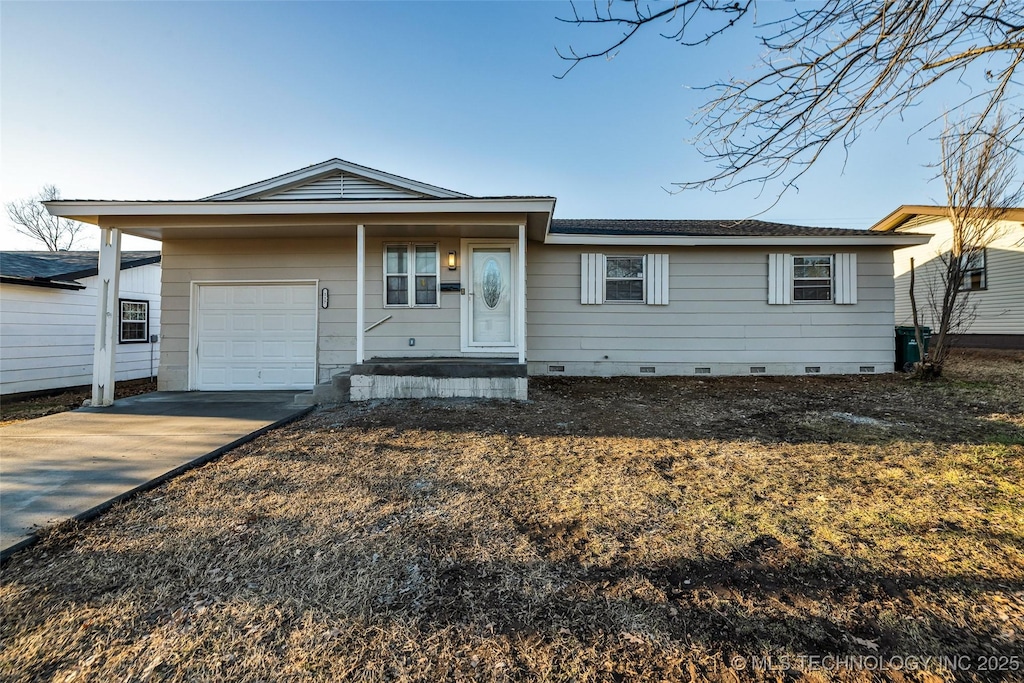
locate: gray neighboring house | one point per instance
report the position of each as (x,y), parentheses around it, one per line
(48,318)
(337,273)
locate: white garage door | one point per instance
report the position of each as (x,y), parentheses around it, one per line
(256,337)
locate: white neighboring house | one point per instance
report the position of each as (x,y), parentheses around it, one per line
(994,283)
(48,318)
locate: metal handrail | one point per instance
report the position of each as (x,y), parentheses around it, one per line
(379,322)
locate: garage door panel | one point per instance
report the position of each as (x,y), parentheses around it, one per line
(304,297)
(256,337)
(303,323)
(209,296)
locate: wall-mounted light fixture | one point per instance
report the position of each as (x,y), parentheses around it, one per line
(451,260)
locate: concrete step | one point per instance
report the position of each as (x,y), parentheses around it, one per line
(335,391)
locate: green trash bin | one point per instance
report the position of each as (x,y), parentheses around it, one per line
(907,352)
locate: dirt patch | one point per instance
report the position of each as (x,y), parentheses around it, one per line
(19,409)
(607,530)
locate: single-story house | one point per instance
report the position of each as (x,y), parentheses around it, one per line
(409,289)
(48,302)
(994,282)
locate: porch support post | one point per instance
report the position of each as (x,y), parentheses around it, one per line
(360,292)
(521,303)
(104,361)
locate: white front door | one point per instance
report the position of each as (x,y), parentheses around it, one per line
(255,336)
(489,280)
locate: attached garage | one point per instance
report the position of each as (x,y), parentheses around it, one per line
(254,336)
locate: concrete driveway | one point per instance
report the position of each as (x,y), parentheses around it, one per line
(66,465)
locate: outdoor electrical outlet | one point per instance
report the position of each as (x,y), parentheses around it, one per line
(412,341)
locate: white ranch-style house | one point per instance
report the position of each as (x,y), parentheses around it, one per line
(48,303)
(337,278)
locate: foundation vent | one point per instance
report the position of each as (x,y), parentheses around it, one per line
(867,368)
(702,371)
(647,369)
(757,369)
(556,368)
(812,369)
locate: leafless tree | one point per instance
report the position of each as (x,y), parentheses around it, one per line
(979,173)
(827,70)
(31,218)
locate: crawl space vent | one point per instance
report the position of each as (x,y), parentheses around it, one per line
(757,369)
(867,368)
(556,368)
(812,369)
(702,371)
(647,369)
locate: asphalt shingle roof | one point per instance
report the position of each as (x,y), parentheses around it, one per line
(64,266)
(693,228)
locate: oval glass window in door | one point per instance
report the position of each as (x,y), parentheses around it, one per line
(490,283)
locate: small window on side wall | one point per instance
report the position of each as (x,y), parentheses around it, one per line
(812,278)
(624,279)
(972,265)
(134,323)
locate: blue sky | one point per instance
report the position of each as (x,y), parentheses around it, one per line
(182,100)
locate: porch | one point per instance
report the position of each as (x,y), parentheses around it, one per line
(387,378)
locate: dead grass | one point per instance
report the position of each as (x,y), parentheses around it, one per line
(608,530)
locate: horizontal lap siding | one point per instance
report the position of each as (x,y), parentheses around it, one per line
(436,330)
(717,314)
(999,309)
(47,335)
(332,262)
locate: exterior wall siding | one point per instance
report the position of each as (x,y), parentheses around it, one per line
(47,335)
(717,315)
(717,318)
(999,309)
(330,262)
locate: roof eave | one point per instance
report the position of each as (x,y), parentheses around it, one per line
(719,241)
(91,211)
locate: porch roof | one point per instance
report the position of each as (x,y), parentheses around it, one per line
(264,218)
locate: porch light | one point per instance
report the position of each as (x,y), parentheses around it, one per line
(451,260)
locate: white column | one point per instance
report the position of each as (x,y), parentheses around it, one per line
(521,303)
(360,292)
(108,318)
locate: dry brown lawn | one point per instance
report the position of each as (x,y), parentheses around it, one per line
(609,530)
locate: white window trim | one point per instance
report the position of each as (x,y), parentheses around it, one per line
(831,275)
(964,270)
(121,321)
(594,276)
(410,274)
(642,279)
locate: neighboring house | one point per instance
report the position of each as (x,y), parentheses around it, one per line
(338,268)
(994,284)
(48,318)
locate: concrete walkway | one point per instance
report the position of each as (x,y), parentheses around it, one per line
(62,466)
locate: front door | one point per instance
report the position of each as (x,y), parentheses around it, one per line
(489,281)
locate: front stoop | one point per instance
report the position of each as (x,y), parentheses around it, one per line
(438,378)
(327,393)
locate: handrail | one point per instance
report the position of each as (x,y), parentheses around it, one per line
(379,322)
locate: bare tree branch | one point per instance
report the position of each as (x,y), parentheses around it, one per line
(30,218)
(827,72)
(979,171)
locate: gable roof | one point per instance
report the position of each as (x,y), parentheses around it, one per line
(901,217)
(61,269)
(336,179)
